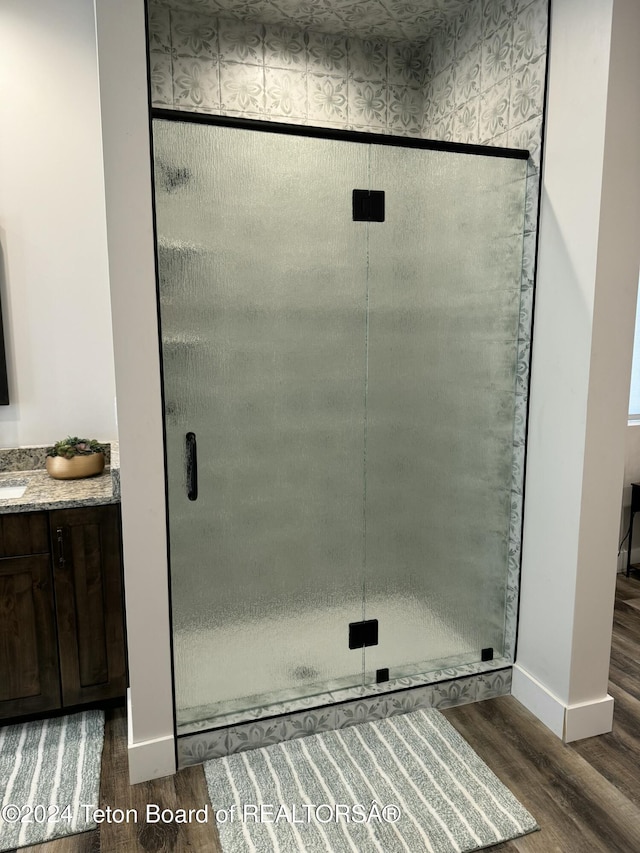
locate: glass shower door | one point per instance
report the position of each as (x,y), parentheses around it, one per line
(345,393)
(444,302)
(262,294)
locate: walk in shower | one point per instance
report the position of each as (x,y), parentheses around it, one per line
(340,323)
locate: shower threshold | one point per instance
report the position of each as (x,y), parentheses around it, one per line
(246,681)
(445,688)
(270,706)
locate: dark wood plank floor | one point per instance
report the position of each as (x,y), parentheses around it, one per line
(585,796)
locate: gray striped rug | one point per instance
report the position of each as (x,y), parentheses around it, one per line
(406,784)
(49,778)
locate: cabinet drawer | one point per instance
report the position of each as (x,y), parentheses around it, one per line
(23,534)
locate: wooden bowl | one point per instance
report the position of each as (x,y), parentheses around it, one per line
(74,469)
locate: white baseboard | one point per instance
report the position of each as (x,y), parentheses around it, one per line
(537,699)
(568,722)
(149,759)
(588,719)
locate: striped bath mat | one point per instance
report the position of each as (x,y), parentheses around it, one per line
(49,778)
(406,784)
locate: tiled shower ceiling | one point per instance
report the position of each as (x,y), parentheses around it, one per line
(410,20)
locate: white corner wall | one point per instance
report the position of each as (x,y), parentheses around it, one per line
(587,277)
(53,253)
(127,169)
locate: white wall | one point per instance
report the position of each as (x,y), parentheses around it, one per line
(127,169)
(54,287)
(587,278)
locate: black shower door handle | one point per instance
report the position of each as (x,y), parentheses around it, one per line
(192,466)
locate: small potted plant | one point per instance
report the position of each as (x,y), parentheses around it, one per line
(73,458)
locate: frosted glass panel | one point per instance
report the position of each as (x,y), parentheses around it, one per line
(352,389)
(262,292)
(444,296)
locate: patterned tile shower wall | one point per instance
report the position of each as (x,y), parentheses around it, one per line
(485,84)
(486,74)
(229,67)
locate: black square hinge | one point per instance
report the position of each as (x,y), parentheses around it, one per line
(382,675)
(363,633)
(368,205)
(486,654)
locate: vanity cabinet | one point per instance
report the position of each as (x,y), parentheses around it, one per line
(61,609)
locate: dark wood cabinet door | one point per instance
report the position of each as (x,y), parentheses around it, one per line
(87,568)
(29,680)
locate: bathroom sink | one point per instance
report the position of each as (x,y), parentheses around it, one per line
(7,492)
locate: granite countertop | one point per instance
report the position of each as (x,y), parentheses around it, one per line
(25,466)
